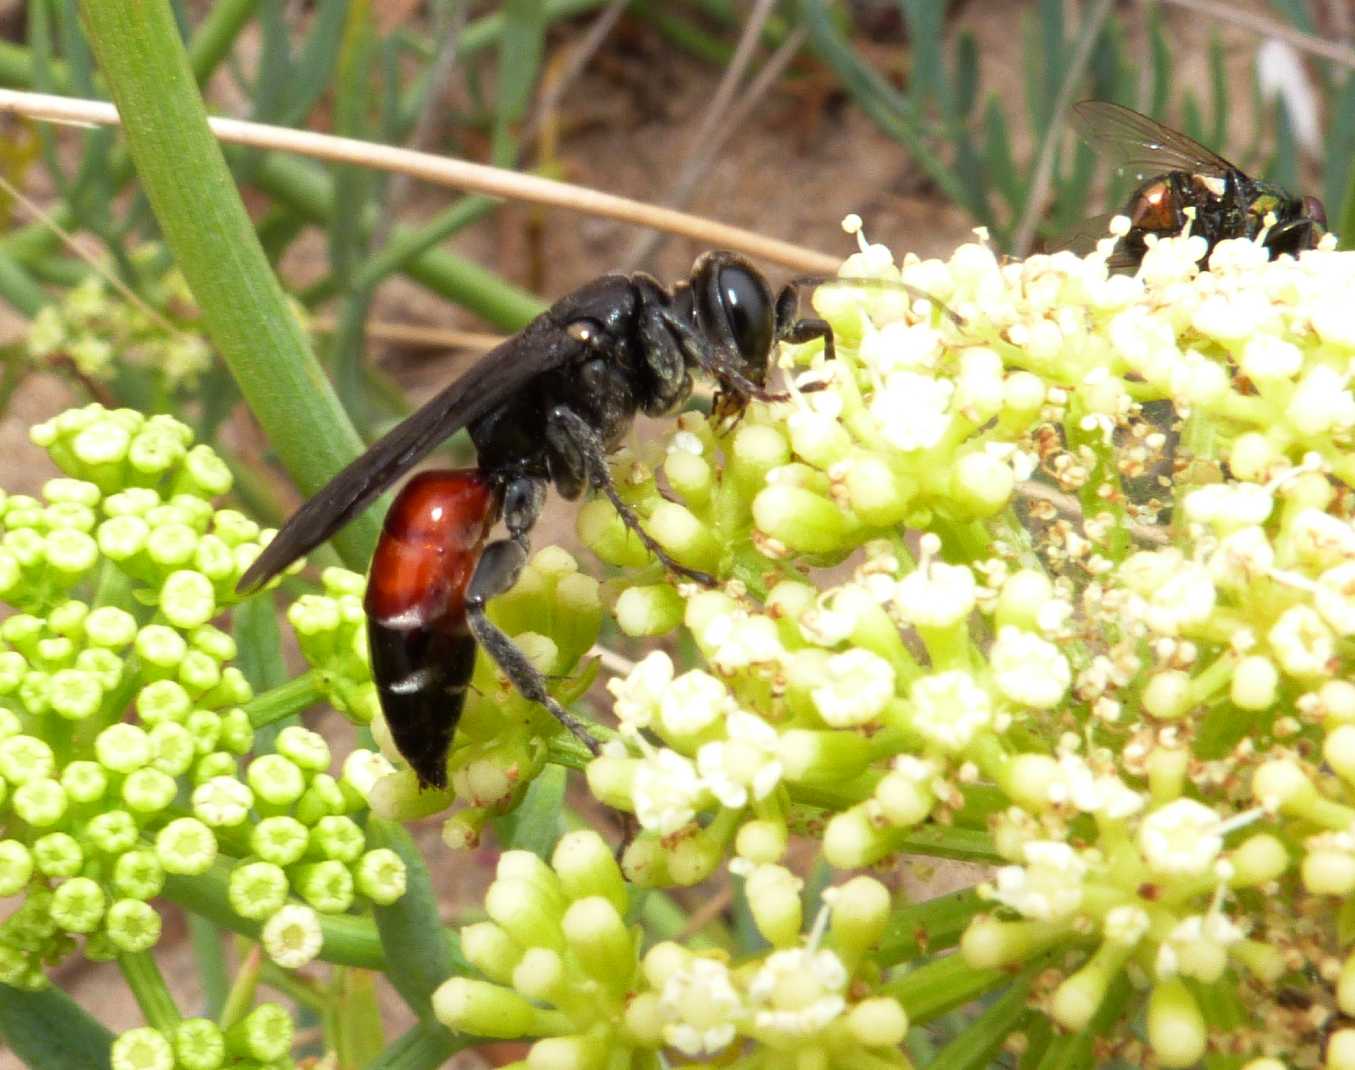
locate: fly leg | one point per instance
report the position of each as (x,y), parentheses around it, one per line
(573,439)
(495,573)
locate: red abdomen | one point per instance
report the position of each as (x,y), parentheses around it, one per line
(422,653)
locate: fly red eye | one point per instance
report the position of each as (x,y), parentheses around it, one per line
(1315,210)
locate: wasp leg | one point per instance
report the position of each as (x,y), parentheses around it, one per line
(791,327)
(713,363)
(495,573)
(571,434)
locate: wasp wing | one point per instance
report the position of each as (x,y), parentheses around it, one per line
(1142,146)
(491,381)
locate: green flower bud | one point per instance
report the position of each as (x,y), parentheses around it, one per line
(321,798)
(338,838)
(694,858)
(857,837)
(822,757)
(222,802)
(990,944)
(237,734)
(381,876)
(292,937)
(305,748)
(649,611)
(55,652)
(597,935)
(187,599)
(154,451)
(134,501)
(1167,695)
(112,832)
(491,950)
(684,536)
(523,911)
(802,520)
(860,914)
(541,976)
(773,895)
(199,672)
(691,476)
(586,867)
(138,874)
(327,886)
(206,473)
(133,925)
(171,545)
(24,758)
(68,619)
(981,484)
(163,700)
(12,670)
(1345,985)
(142,1049)
(1254,683)
(103,665)
(602,531)
(204,726)
(148,791)
(281,840)
(16,867)
(761,842)
(217,763)
(186,847)
(257,890)
(122,538)
(265,1033)
(162,649)
(33,693)
(199,1044)
(69,516)
(70,552)
(1176,1028)
(488,1010)
(568,1053)
(78,905)
(213,642)
(877,1023)
(1340,1050)
(234,527)
(123,748)
(878,494)
(276,780)
(41,802)
(174,748)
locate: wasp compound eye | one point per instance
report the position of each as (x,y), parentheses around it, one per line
(747,307)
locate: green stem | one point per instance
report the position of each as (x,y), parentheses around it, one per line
(47,1030)
(211,963)
(426,1046)
(19,288)
(143,977)
(241,996)
(281,702)
(216,33)
(205,225)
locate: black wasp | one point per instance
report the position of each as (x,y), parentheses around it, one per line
(543,408)
(1177,173)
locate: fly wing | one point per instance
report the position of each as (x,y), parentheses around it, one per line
(1084,239)
(491,381)
(1142,146)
